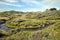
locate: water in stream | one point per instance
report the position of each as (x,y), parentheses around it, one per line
(3,27)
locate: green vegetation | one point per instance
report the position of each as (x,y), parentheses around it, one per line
(28,23)
(25,20)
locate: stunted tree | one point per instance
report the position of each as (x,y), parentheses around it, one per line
(52,9)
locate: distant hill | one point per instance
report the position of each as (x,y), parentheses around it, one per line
(48,14)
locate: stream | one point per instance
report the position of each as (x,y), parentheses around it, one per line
(3,27)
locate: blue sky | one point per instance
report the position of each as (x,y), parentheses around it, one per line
(28,5)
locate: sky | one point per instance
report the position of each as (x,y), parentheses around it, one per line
(28,5)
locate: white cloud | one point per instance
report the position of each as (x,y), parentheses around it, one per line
(53,2)
(11,1)
(5,3)
(31,2)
